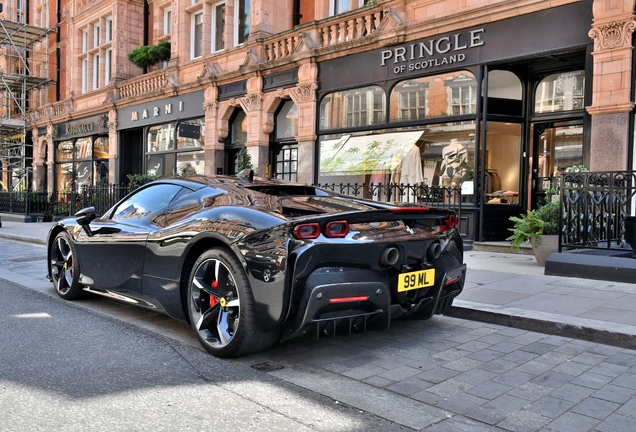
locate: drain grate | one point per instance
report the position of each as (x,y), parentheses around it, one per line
(28,259)
(267,367)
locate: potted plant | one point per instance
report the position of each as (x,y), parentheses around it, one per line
(540,227)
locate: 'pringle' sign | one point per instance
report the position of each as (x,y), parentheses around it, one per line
(431,53)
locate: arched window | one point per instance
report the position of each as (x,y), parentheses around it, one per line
(353,108)
(560,92)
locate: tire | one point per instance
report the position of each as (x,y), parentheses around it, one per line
(221,306)
(64,267)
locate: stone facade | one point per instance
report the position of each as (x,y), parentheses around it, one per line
(276,46)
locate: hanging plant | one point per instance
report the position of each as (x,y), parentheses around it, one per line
(147,55)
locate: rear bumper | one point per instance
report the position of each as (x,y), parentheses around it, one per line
(352,299)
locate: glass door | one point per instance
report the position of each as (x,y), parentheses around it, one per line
(556,146)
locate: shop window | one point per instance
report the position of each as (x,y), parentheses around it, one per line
(502,165)
(353,108)
(560,92)
(241,21)
(218,27)
(164,158)
(77,163)
(432,155)
(286,162)
(287,121)
(504,93)
(462,95)
(409,100)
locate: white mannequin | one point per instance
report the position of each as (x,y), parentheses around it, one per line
(454,160)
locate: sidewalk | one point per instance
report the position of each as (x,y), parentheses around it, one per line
(507,289)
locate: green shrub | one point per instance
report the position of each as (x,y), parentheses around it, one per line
(135,181)
(147,55)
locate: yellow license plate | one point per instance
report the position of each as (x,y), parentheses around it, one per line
(416,279)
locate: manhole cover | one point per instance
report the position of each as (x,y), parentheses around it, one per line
(27,259)
(267,367)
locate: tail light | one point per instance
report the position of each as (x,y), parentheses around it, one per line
(449,222)
(338,229)
(307,231)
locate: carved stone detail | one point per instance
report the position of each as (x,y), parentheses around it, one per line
(252,102)
(305,92)
(613,35)
(210,108)
(112,127)
(210,69)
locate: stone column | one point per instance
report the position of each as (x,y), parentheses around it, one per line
(113,148)
(257,140)
(50,159)
(214,150)
(611,104)
(304,96)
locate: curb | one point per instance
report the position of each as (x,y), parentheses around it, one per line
(23,239)
(608,333)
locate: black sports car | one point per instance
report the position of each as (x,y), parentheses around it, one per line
(249,262)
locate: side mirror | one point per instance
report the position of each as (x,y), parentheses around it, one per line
(84,217)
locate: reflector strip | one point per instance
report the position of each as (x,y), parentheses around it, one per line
(348,299)
(409,209)
(450,281)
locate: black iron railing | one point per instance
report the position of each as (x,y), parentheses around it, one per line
(445,197)
(62,203)
(594,206)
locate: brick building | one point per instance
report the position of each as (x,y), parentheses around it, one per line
(491,96)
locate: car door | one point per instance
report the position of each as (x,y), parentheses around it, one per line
(112,256)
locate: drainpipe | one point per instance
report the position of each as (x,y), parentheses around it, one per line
(296,16)
(146,15)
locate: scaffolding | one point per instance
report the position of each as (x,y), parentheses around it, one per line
(17,85)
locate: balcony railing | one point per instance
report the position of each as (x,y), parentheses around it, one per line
(594,208)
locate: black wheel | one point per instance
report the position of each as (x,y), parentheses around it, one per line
(221,306)
(64,268)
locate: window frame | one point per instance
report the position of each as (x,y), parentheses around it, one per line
(237,36)
(167,20)
(214,32)
(196,29)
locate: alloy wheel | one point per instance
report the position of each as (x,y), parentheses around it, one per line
(215,303)
(62,266)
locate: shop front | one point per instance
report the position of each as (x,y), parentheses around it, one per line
(493,111)
(81,154)
(163,137)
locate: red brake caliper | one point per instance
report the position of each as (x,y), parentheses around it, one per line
(214,300)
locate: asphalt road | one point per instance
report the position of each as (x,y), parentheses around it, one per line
(104,365)
(65,368)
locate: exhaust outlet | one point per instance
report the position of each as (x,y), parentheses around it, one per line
(389,256)
(434,251)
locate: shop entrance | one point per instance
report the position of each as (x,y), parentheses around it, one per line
(284,160)
(132,149)
(556,146)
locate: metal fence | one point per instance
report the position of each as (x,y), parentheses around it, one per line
(445,197)
(62,203)
(103,197)
(594,208)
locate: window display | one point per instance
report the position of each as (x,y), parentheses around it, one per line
(175,148)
